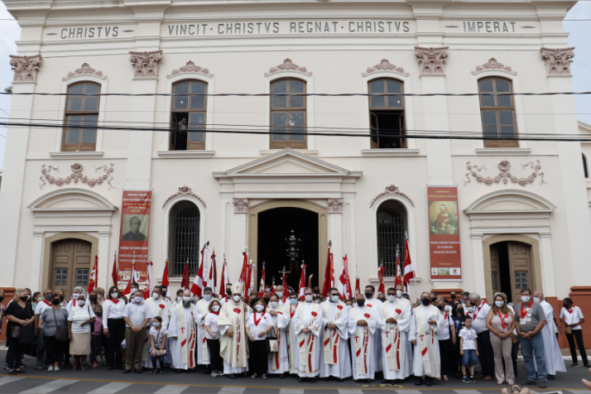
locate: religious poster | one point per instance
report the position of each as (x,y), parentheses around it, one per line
(135,221)
(444,233)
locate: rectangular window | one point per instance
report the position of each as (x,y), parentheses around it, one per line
(498,114)
(188,118)
(386,114)
(288,115)
(61,277)
(81,118)
(82,276)
(521,280)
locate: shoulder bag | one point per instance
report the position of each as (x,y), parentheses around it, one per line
(61,333)
(272,343)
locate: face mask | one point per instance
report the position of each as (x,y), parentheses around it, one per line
(565,305)
(99,314)
(308,297)
(92,298)
(55,301)
(293,301)
(499,303)
(425,301)
(48,296)
(236,298)
(215,308)
(138,299)
(1,298)
(259,307)
(360,302)
(114,295)
(279,294)
(156,324)
(62,298)
(537,299)
(391,298)
(155,296)
(334,298)
(229,292)
(440,307)
(75,296)
(81,302)
(266,300)
(207,297)
(179,298)
(39,299)
(186,299)
(433,299)
(453,296)
(164,292)
(447,308)
(525,298)
(274,304)
(24,299)
(368,295)
(398,293)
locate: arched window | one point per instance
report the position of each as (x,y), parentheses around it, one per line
(391,228)
(386,114)
(187,117)
(498,113)
(585,168)
(81,117)
(183,237)
(288,115)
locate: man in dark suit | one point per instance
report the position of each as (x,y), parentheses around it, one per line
(135,234)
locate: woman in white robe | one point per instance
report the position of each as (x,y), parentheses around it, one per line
(361,312)
(279,361)
(341,367)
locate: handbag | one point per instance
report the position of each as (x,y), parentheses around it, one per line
(61,333)
(14,331)
(272,343)
(568,330)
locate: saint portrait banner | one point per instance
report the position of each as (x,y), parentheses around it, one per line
(444,233)
(135,221)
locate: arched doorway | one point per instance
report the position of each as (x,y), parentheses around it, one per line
(511,268)
(70,264)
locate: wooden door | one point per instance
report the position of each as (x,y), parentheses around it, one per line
(495,268)
(520,266)
(70,264)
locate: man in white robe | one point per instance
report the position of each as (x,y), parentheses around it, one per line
(425,323)
(228,295)
(199,312)
(183,335)
(553,356)
(308,326)
(290,332)
(279,361)
(372,301)
(394,324)
(157,306)
(232,327)
(283,297)
(335,358)
(363,325)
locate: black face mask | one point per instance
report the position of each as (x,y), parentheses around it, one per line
(55,301)
(92,298)
(24,299)
(99,314)
(368,295)
(164,292)
(433,299)
(425,301)
(61,298)
(266,300)
(360,302)
(440,307)
(48,296)
(229,292)
(453,296)
(1,298)
(565,305)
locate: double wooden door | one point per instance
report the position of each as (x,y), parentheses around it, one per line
(70,264)
(518,262)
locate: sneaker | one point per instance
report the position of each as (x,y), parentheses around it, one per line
(6,366)
(50,369)
(153,372)
(543,385)
(466,380)
(214,374)
(56,368)
(472,380)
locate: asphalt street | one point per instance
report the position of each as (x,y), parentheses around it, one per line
(101,381)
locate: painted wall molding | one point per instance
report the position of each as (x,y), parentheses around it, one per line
(391,189)
(184,191)
(85,69)
(505,175)
(288,66)
(76,176)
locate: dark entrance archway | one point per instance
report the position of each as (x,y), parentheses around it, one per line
(274,227)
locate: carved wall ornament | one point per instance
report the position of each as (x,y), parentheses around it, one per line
(76,176)
(241,205)
(190,67)
(335,205)
(432,60)
(493,64)
(25,67)
(84,70)
(384,65)
(558,60)
(392,189)
(288,65)
(505,174)
(184,191)
(145,64)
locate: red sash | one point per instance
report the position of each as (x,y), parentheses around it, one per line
(46,302)
(503,320)
(476,311)
(570,311)
(523,313)
(73,302)
(214,313)
(256,322)
(113,301)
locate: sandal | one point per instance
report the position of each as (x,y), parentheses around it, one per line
(445,378)
(254,376)
(264,376)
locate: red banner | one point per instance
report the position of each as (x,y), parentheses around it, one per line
(135,221)
(444,233)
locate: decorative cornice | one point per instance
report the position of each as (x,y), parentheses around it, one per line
(241,205)
(505,175)
(558,60)
(84,70)
(384,65)
(392,189)
(25,67)
(76,176)
(145,64)
(432,60)
(190,68)
(184,191)
(288,65)
(335,205)
(493,64)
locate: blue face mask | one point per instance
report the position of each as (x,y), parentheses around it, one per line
(207,297)
(334,298)
(293,301)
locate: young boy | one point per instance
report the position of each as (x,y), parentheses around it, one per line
(468,349)
(158,335)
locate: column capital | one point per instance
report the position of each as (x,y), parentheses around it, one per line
(240,205)
(558,60)
(432,60)
(335,205)
(145,64)
(25,68)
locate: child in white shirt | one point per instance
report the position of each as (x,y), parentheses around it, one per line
(158,335)
(212,335)
(468,349)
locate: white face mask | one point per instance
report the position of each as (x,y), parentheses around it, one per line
(259,307)
(115,295)
(274,304)
(215,308)
(207,297)
(179,298)
(138,299)
(447,308)
(156,324)
(537,299)
(185,298)
(525,298)
(236,298)
(308,297)
(81,303)
(398,293)
(155,295)
(391,298)
(279,294)
(499,303)
(75,296)
(334,298)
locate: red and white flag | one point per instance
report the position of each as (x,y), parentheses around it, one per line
(262,284)
(150,284)
(225,278)
(93,276)
(200,281)
(165,275)
(357,286)
(251,283)
(381,287)
(344,284)
(302,283)
(186,281)
(115,273)
(398,272)
(328,274)
(244,272)
(409,271)
(212,280)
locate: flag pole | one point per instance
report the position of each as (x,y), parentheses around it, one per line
(415,271)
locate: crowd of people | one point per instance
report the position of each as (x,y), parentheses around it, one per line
(370,336)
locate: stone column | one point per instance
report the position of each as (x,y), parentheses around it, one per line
(239,235)
(478,264)
(547,264)
(335,234)
(105,264)
(36,267)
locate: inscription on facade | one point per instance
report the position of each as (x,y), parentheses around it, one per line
(489,27)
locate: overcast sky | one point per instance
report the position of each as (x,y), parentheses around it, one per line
(579,38)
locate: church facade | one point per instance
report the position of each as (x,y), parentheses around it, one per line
(248,172)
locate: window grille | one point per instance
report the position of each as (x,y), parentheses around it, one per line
(82,277)
(391,228)
(495,280)
(521,280)
(61,277)
(183,241)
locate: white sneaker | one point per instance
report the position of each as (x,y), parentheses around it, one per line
(50,369)
(56,368)
(214,374)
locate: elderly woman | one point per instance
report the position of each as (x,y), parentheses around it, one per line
(80,324)
(500,322)
(78,291)
(21,318)
(52,320)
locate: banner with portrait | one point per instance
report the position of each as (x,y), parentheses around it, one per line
(134,235)
(444,233)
